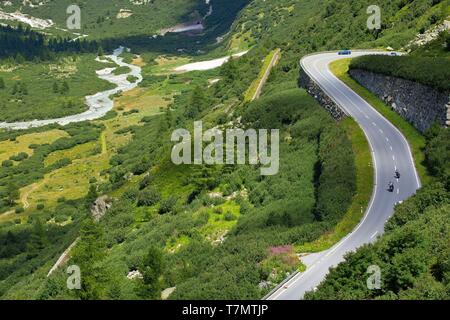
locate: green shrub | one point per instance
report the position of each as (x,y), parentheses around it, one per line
(148,179)
(168,205)
(19,157)
(132,79)
(430,71)
(229,216)
(132,111)
(7,163)
(245,207)
(131,194)
(110,115)
(148,197)
(437,152)
(19,210)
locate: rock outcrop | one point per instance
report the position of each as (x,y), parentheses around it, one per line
(134,274)
(418,104)
(100,206)
(430,35)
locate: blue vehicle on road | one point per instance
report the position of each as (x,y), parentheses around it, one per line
(345,52)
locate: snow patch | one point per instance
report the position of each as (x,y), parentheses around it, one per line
(208,65)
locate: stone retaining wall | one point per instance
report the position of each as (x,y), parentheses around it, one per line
(418,104)
(324,100)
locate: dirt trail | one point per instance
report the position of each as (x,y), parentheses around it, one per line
(63,258)
(24,196)
(263,81)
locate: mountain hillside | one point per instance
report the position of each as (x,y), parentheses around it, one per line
(141,227)
(116,18)
(300,27)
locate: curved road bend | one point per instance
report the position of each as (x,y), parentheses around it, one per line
(390,151)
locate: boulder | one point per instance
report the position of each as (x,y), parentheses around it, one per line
(100,206)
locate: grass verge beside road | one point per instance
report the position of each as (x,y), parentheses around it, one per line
(415,139)
(364,188)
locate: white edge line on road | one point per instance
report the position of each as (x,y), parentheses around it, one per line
(276,294)
(299,276)
(296,278)
(387,121)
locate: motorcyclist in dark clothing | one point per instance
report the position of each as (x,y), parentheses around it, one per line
(397,174)
(391,187)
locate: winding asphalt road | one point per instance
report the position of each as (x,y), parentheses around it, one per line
(390,151)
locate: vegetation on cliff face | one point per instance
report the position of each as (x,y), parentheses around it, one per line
(430,71)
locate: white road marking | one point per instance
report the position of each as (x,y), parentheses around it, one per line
(374,235)
(374,196)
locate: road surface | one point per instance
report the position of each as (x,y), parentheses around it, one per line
(390,151)
(99,104)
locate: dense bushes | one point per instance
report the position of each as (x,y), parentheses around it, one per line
(430,71)
(336,174)
(413,254)
(334,169)
(26,247)
(23,43)
(32,168)
(148,197)
(437,152)
(19,157)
